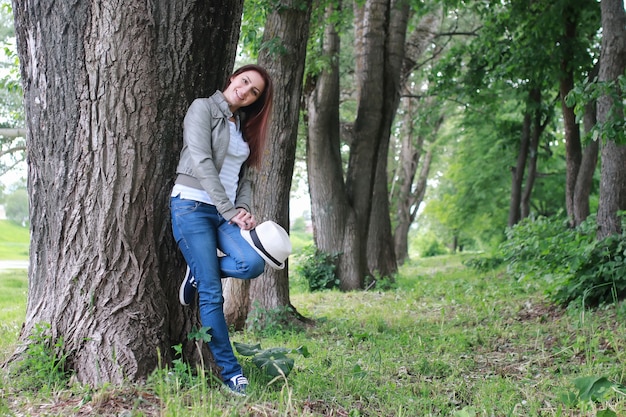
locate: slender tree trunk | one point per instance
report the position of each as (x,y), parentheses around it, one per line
(612,65)
(410,191)
(105,93)
(535,136)
(409,156)
(531,174)
(584,182)
(422,181)
(410,195)
(573,147)
(518,172)
(289,24)
(401,234)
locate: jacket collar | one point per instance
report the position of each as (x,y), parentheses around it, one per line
(222,104)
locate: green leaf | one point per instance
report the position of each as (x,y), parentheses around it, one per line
(606,413)
(200,334)
(273,361)
(274,364)
(247,350)
(593,388)
(358,372)
(303,351)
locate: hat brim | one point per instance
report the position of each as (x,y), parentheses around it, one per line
(271,262)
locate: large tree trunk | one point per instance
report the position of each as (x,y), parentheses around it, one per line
(379,54)
(371,27)
(334,220)
(380,249)
(105,93)
(380,31)
(290,25)
(612,65)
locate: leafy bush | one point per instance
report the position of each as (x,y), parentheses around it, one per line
(318,268)
(572,262)
(600,276)
(539,248)
(427,245)
(381,283)
(434,248)
(484,263)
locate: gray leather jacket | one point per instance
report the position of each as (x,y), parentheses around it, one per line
(206,136)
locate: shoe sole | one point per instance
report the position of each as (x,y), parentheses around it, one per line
(181,290)
(226,389)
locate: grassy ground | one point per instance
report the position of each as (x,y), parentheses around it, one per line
(13,287)
(13,241)
(445,341)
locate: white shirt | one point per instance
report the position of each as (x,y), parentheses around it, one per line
(237,153)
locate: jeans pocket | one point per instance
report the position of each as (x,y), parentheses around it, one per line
(180,207)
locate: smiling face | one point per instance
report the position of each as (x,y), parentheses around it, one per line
(244,89)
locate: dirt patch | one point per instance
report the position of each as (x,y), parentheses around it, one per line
(542,312)
(114,403)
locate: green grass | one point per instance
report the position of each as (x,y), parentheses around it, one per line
(14,241)
(446,341)
(13,288)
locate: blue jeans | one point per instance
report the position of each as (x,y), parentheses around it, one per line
(199,231)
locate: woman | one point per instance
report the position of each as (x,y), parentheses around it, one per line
(211,200)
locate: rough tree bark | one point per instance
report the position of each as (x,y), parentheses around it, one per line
(288,23)
(105,93)
(342,222)
(371,21)
(612,65)
(381,258)
(333,217)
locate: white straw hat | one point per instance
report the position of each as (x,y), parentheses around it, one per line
(271,242)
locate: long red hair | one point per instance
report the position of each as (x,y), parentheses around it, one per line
(256,116)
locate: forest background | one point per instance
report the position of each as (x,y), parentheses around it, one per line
(482,135)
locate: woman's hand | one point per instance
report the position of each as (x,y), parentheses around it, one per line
(244,220)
